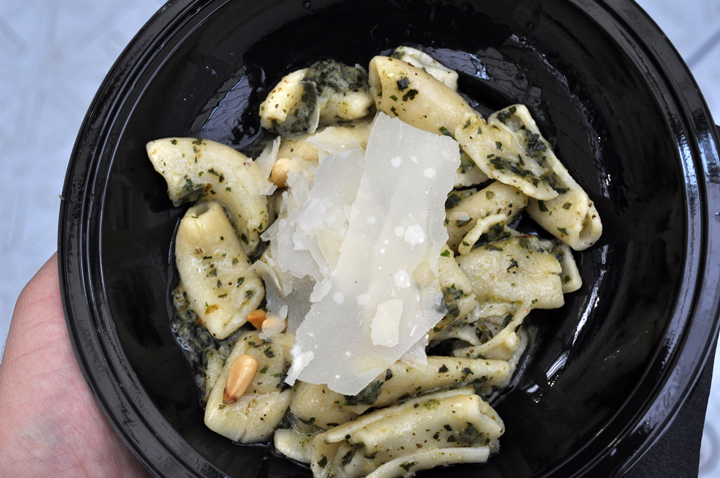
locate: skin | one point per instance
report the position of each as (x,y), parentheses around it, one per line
(50,424)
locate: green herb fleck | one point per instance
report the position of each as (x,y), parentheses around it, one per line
(452,201)
(444,131)
(505,115)
(347,458)
(367,395)
(450,296)
(469,435)
(410,95)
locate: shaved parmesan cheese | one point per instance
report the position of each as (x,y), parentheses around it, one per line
(266,159)
(386,323)
(335,139)
(305,240)
(379,293)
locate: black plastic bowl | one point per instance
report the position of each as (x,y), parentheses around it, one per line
(610,369)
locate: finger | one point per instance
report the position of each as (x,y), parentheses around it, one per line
(48,415)
(38,315)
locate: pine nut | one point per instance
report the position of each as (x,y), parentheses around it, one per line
(257,317)
(241,375)
(274,325)
(279,172)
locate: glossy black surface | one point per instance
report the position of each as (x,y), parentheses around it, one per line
(608,370)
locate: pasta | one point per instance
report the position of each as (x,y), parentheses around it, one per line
(384,208)
(214,270)
(199,169)
(442,420)
(260,410)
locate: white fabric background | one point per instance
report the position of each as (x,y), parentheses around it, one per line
(54,55)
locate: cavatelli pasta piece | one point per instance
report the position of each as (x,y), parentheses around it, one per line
(416,97)
(464,211)
(497,152)
(318,405)
(422,60)
(505,345)
(200,168)
(213,269)
(255,415)
(327,92)
(571,216)
(445,420)
(516,269)
(404,380)
(294,444)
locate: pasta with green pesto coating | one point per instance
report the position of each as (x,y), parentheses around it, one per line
(267,240)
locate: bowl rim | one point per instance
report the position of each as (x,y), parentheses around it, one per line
(672,376)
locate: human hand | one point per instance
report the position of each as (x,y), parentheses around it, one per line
(49,421)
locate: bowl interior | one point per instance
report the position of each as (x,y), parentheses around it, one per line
(586,92)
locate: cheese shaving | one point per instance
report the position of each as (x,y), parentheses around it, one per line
(369,242)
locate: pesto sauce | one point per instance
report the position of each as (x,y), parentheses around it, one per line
(535,147)
(198,345)
(299,120)
(496,233)
(450,297)
(368,395)
(336,76)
